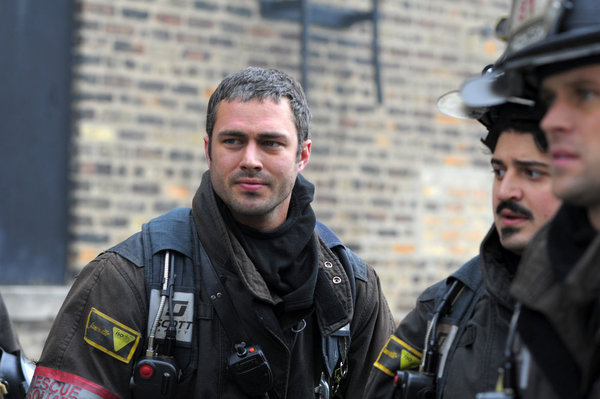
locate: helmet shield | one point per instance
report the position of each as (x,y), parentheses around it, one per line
(452,104)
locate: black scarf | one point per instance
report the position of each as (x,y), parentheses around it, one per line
(287,257)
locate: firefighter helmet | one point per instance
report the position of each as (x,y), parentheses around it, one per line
(515,109)
(539,34)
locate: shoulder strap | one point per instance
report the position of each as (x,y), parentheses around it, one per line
(470,276)
(354,266)
(462,308)
(169,231)
(173,231)
(359,267)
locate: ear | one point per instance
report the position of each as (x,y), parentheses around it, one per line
(206,149)
(304,155)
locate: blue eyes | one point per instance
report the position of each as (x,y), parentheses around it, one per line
(585,94)
(240,142)
(576,95)
(271,143)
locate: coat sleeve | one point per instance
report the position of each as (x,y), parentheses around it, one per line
(403,349)
(371,324)
(97,334)
(8,336)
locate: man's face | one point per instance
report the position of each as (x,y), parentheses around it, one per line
(254,159)
(522,191)
(572,125)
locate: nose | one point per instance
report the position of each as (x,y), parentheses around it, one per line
(509,188)
(251,159)
(556,119)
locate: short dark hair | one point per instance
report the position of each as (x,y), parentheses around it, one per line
(260,83)
(516,118)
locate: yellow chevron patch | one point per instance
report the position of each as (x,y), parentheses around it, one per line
(121,338)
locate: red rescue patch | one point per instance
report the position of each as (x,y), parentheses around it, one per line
(50,384)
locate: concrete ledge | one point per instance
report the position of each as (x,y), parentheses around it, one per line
(31,303)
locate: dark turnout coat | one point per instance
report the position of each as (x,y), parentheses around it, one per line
(558,285)
(8,336)
(110,294)
(472,367)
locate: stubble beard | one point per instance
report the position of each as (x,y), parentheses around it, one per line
(257,205)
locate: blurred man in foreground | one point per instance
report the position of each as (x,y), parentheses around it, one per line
(553,56)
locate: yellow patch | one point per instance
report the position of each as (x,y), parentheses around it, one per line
(111,336)
(397,355)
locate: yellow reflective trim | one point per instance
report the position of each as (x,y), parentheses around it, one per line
(384,369)
(407,347)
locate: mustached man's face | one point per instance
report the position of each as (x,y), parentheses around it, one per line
(522,191)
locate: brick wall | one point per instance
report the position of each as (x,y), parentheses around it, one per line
(406,187)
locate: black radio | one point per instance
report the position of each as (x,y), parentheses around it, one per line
(250,370)
(414,385)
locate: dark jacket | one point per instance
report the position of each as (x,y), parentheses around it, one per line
(115,287)
(558,284)
(8,337)
(15,369)
(473,366)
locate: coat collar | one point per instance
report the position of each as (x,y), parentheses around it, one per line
(333,294)
(498,266)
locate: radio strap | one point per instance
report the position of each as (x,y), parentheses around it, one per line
(461,310)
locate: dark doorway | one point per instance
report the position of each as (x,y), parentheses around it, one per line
(35,126)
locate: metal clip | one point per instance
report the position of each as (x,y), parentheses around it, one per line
(322,390)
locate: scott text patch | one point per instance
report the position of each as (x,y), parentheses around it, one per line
(183,316)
